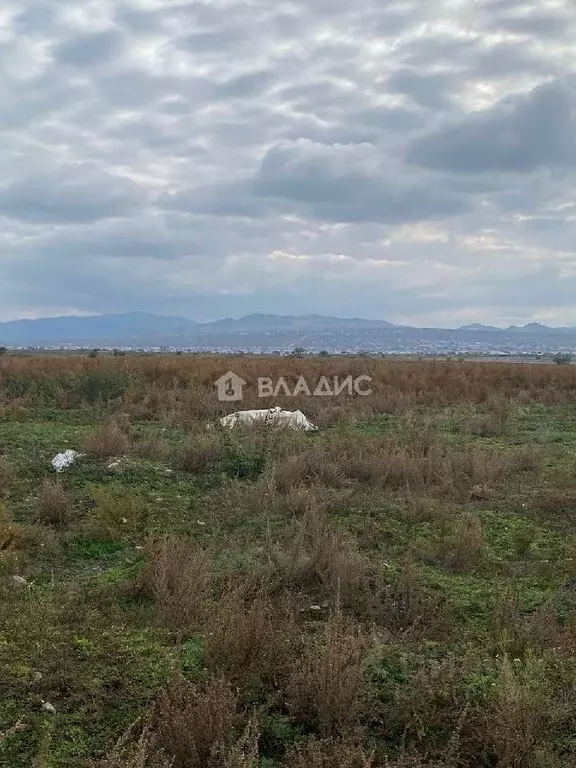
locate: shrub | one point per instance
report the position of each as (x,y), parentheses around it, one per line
(328,753)
(327,690)
(524,715)
(20,542)
(178,576)
(139,753)
(100,385)
(152,448)
(464,549)
(117,513)
(250,640)
(562,358)
(54,503)
(199,453)
(109,440)
(315,556)
(197,721)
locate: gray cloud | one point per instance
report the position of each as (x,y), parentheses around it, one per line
(519,135)
(407,160)
(90,49)
(349,183)
(431,91)
(80,192)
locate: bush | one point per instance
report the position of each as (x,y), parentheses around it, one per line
(141,753)
(327,690)
(329,753)
(104,386)
(196,721)
(117,513)
(250,639)
(54,503)
(109,440)
(178,577)
(199,453)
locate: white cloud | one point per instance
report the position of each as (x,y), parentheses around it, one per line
(221,158)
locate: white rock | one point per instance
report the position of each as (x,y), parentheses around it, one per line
(47,707)
(19,580)
(65,459)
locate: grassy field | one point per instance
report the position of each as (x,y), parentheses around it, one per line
(395,590)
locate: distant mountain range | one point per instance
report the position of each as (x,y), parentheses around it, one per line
(268,332)
(529,328)
(150,329)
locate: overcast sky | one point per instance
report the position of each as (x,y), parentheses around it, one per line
(413,161)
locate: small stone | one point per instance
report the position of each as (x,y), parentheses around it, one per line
(19,580)
(47,707)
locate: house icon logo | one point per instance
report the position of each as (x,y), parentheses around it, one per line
(229,387)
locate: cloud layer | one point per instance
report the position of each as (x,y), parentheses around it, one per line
(409,161)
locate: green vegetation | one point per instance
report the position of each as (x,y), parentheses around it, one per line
(396,590)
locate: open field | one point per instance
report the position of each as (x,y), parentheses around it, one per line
(396,590)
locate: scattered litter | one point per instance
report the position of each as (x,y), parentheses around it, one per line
(168,471)
(270,416)
(124,520)
(65,459)
(19,580)
(47,707)
(315,607)
(200,522)
(114,464)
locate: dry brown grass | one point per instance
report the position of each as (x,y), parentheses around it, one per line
(461,546)
(151,448)
(179,578)
(55,503)
(524,715)
(329,753)
(108,440)
(328,690)
(131,752)
(179,389)
(409,610)
(251,639)
(321,560)
(417,462)
(198,725)
(199,453)
(21,543)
